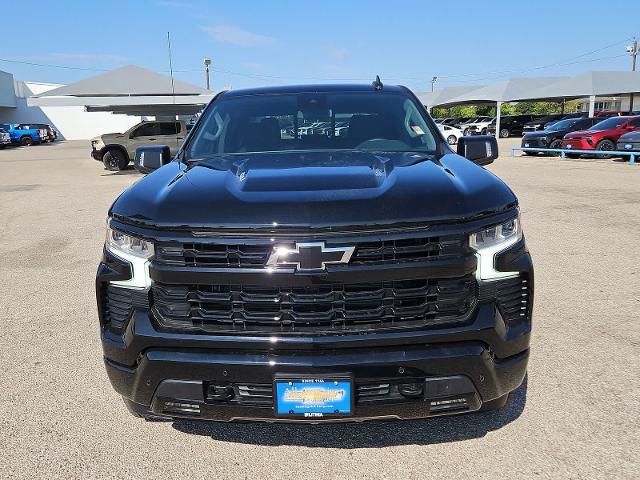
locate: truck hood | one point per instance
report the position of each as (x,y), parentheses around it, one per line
(316,189)
(109,137)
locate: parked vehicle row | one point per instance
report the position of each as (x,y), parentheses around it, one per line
(605,134)
(515,125)
(27,134)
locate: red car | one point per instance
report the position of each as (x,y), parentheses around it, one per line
(602,136)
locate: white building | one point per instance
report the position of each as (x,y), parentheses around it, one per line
(609,104)
(72,123)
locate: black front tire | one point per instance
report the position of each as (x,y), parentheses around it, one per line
(452,140)
(555,144)
(504,133)
(605,145)
(26,141)
(115,160)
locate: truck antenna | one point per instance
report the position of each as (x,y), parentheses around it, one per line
(377,84)
(173,89)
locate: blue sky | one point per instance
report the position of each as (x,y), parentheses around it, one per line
(258,42)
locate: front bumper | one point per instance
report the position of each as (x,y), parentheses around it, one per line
(457,378)
(182,375)
(628,146)
(96,154)
(540,142)
(577,144)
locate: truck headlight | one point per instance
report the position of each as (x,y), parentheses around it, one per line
(136,251)
(492,240)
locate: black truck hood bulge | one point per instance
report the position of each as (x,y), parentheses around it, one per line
(317,189)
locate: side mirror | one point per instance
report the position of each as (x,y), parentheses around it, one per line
(151,158)
(482,149)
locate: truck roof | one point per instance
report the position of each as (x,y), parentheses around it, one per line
(312,88)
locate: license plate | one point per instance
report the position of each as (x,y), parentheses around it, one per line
(628,146)
(526,145)
(312,397)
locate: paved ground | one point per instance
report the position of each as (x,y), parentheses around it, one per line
(577,416)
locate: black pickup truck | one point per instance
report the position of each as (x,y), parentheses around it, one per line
(267,275)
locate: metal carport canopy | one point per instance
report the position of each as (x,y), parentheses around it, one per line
(129,90)
(443,95)
(589,84)
(511,90)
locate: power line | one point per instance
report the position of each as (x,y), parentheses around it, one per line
(67,67)
(474,77)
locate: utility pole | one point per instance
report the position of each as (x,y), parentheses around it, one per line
(633,51)
(207,62)
(433,81)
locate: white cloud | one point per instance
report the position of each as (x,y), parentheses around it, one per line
(335,51)
(174,4)
(236,36)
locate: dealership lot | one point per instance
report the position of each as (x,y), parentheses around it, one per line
(576,416)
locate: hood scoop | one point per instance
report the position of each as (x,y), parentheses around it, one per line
(336,173)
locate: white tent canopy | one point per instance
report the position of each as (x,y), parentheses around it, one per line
(131,90)
(126,81)
(590,83)
(511,90)
(443,95)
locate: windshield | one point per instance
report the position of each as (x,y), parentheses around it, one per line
(374,121)
(609,123)
(562,124)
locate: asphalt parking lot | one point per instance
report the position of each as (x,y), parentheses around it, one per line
(575,417)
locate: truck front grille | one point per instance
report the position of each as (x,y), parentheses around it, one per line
(330,308)
(247,255)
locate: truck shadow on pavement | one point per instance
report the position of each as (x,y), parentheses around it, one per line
(366,434)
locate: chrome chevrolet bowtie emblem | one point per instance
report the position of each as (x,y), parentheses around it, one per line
(309,256)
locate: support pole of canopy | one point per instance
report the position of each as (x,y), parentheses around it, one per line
(564,101)
(592,105)
(498,108)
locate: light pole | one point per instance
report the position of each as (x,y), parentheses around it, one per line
(207,62)
(433,81)
(633,51)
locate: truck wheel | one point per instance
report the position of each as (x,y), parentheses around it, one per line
(483,132)
(141,411)
(26,141)
(115,160)
(605,145)
(465,132)
(504,133)
(555,144)
(451,140)
(495,404)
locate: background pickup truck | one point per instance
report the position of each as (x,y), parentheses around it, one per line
(115,150)
(22,134)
